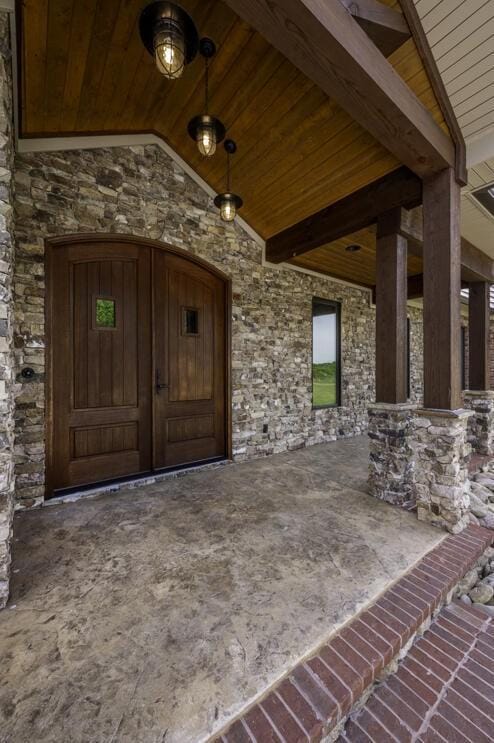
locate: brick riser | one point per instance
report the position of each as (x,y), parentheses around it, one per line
(319,693)
(443,690)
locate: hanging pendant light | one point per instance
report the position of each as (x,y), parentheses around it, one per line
(228,203)
(170,36)
(206,130)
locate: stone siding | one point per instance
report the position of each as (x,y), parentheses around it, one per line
(141,191)
(6,313)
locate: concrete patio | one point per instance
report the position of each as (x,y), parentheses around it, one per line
(158,613)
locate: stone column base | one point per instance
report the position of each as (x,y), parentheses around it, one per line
(441,455)
(481,423)
(391,456)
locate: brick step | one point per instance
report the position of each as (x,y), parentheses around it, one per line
(319,693)
(443,690)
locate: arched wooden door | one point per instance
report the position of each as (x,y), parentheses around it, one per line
(138,366)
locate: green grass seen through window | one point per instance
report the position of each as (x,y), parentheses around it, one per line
(324,384)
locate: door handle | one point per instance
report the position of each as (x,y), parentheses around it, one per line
(159,385)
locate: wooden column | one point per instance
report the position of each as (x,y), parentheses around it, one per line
(478,336)
(391,311)
(442,284)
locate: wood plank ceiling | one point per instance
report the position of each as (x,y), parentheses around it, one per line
(84,71)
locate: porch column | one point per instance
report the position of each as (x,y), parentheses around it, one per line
(390,469)
(479,398)
(440,437)
(6,311)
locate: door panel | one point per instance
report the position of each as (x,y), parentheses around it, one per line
(189,400)
(138,362)
(102,364)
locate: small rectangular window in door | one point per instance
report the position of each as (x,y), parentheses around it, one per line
(104,313)
(190,321)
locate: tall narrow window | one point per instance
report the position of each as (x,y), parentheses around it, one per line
(463,351)
(325,353)
(409,364)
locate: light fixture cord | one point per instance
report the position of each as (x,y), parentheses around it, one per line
(207,85)
(228,172)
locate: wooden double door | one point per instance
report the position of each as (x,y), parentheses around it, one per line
(138,361)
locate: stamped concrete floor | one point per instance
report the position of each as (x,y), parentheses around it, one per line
(155,614)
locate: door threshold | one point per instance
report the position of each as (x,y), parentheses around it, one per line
(70,495)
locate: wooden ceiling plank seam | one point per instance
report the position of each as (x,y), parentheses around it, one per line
(95,62)
(80,37)
(131,107)
(124,54)
(161,91)
(252,111)
(344,62)
(357,211)
(265,136)
(308,164)
(34,35)
(438,86)
(60,14)
(167,98)
(234,80)
(235,45)
(303,158)
(343,169)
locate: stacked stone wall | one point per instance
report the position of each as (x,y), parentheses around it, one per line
(141,191)
(6,310)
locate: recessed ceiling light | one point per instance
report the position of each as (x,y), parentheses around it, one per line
(353,248)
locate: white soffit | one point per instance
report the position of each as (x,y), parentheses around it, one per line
(476,224)
(461,36)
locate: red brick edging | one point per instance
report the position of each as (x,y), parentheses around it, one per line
(320,692)
(442,691)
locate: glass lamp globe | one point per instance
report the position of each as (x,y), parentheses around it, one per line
(169,52)
(228,209)
(206,139)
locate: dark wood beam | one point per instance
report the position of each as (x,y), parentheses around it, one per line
(386,26)
(391,313)
(442,284)
(436,81)
(475,265)
(479,316)
(323,40)
(359,210)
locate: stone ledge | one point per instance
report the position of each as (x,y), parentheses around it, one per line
(459,414)
(315,699)
(482,394)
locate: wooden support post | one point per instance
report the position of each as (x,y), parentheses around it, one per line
(442,283)
(478,336)
(391,311)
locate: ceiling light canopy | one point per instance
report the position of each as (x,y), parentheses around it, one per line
(228,203)
(169,34)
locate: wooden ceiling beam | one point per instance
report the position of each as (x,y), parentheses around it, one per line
(401,188)
(475,265)
(386,26)
(323,40)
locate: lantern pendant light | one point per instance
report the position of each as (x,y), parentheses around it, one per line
(228,203)
(206,130)
(170,36)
